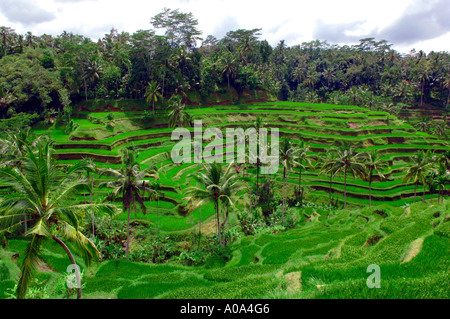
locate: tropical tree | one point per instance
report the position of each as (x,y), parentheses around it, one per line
(424,75)
(152,94)
(228,67)
(42,196)
(420,165)
(178,116)
(347,161)
(373,164)
(288,159)
(90,168)
(328,167)
(219,185)
(304,160)
(258,124)
(446,84)
(442,180)
(92,71)
(6,98)
(128,182)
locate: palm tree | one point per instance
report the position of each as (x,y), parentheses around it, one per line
(403,90)
(303,157)
(178,115)
(442,180)
(218,185)
(424,124)
(258,124)
(129,183)
(5,32)
(328,167)
(445,159)
(347,161)
(42,196)
(424,73)
(288,156)
(373,164)
(228,67)
(152,94)
(417,171)
(90,168)
(446,84)
(92,71)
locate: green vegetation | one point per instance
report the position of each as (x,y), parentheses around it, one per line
(363,175)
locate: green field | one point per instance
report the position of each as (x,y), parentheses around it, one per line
(326,253)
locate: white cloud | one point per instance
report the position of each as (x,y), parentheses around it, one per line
(294,21)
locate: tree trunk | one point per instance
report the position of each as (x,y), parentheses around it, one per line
(85,89)
(331,182)
(415,193)
(257,176)
(128,233)
(345,189)
(218,222)
(370,189)
(421,96)
(423,198)
(72,260)
(92,201)
(300,182)
(284,195)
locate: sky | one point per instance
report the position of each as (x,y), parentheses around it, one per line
(407,24)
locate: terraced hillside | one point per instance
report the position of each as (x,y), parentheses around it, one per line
(102,135)
(325,256)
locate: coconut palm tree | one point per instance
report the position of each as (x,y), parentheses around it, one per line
(42,195)
(91,72)
(421,164)
(128,182)
(442,180)
(228,67)
(424,75)
(90,168)
(6,98)
(288,159)
(304,160)
(446,84)
(347,161)
(152,94)
(258,124)
(178,115)
(373,164)
(328,167)
(219,185)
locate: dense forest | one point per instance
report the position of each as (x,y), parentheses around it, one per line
(45,74)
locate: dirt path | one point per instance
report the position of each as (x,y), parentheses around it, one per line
(413,250)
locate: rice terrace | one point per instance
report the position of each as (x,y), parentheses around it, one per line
(94,206)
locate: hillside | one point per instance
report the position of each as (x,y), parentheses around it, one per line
(326,257)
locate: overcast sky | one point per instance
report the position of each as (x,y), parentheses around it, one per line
(420,24)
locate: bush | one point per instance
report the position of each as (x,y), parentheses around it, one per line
(193,258)
(250,223)
(147,116)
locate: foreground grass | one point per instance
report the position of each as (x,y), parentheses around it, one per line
(326,257)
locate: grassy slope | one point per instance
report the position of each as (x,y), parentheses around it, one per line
(331,256)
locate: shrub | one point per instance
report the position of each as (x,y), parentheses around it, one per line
(193,258)
(250,223)
(147,116)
